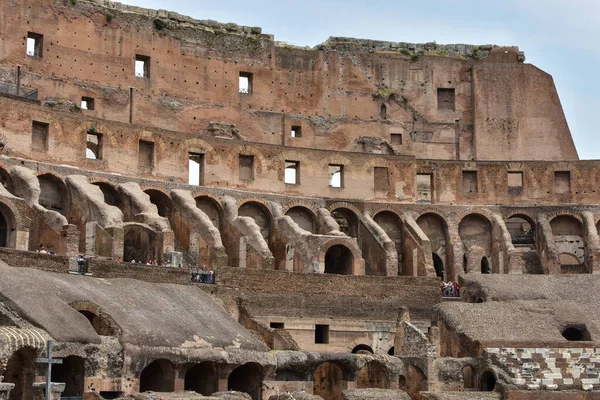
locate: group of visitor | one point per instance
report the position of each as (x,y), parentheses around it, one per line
(203,275)
(450,289)
(43,250)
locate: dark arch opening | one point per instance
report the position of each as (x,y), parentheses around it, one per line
(260,214)
(488,381)
(347,221)
(465,263)
(158,376)
(402,382)
(576,333)
(373,375)
(102,326)
(362,349)
(303,217)
(485,265)
(162,202)
(476,230)
(3,230)
(468,375)
(383,112)
(21,370)
(211,208)
(438,265)
(339,260)
(521,229)
(140,244)
(53,193)
(328,379)
(72,373)
(391,351)
(248,379)
(111,194)
(202,378)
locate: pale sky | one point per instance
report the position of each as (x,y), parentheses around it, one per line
(560,37)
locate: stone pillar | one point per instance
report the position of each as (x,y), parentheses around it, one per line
(56,389)
(592,243)
(22,239)
(118,241)
(5,389)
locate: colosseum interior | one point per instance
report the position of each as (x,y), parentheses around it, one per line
(195,209)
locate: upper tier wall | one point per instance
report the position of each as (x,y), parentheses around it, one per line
(338,93)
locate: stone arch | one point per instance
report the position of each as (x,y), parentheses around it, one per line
(21,370)
(373,375)
(357,267)
(202,378)
(196,145)
(362,349)
(9,223)
(567,231)
(260,213)
(339,260)
(140,243)
(103,324)
(476,230)
(53,193)
(158,376)
(435,228)
(383,112)
(391,224)
(162,201)
(487,382)
(72,373)
(522,229)
(112,197)
(468,377)
(306,165)
(328,381)
(416,381)
(347,219)
(304,218)
(211,207)
(260,162)
(247,378)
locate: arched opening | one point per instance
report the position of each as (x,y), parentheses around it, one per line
(383,112)
(347,220)
(485,266)
(416,381)
(261,216)
(140,244)
(101,325)
(402,382)
(304,218)
(438,265)
(373,375)
(487,381)
(339,260)
(328,381)
(247,379)
(53,193)
(362,349)
(162,202)
(111,194)
(21,370)
(436,230)
(202,378)
(521,229)
(391,351)
(465,263)
(211,208)
(568,240)
(576,333)
(392,225)
(468,375)
(4,230)
(72,373)
(475,230)
(158,376)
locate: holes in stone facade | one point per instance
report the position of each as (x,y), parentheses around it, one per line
(246,167)
(446,99)
(72,373)
(245,82)
(396,139)
(158,376)
(487,381)
(562,182)
(339,260)
(381,178)
(383,114)
(196,169)
(202,378)
(142,66)
(336,175)
(146,154)
(93,146)
(35,44)
(39,136)
(576,333)
(469,182)
(485,266)
(247,379)
(277,325)
(292,172)
(321,334)
(87,103)
(296,131)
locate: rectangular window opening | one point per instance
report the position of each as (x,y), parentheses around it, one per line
(142,66)
(146,154)
(336,176)
(196,168)
(515,182)
(381,178)
(396,138)
(424,184)
(277,325)
(245,82)
(39,136)
(35,43)
(446,99)
(322,334)
(93,146)
(562,182)
(246,167)
(292,172)
(296,131)
(469,182)
(87,103)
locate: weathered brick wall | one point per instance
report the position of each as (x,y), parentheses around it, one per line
(30,259)
(102,268)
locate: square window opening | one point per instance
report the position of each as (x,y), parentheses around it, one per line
(87,103)
(292,172)
(296,131)
(424,185)
(446,99)
(396,138)
(35,43)
(515,183)
(39,136)
(245,82)
(142,66)
(469,182)
(277,325)
(336,176)
(93,146)
(246,167)
(196,168)
(562,182)
(322,334)
(146,154)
